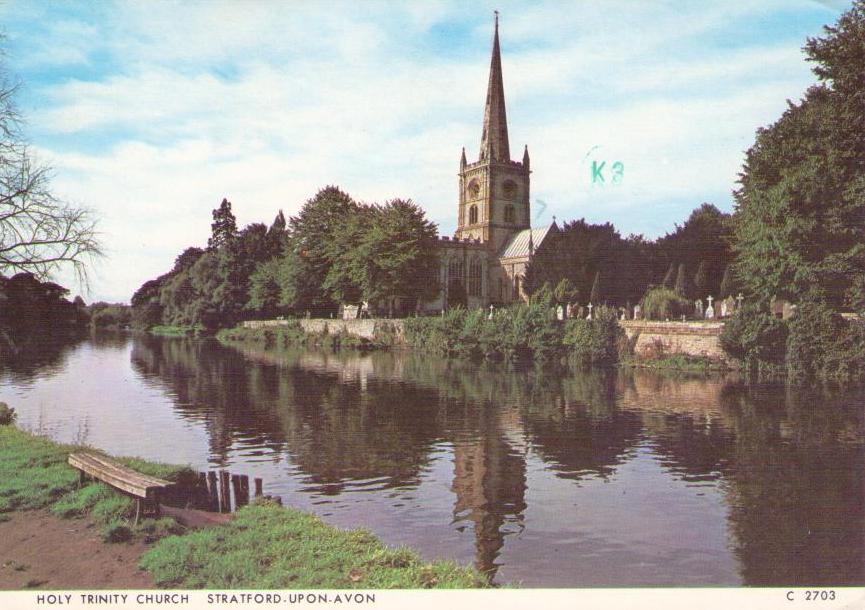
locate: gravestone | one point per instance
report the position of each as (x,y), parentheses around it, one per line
(638,312)
(622,315)
(492,309)
(589,317)
(560,313)
(710,311)
(698,308)
(568,311)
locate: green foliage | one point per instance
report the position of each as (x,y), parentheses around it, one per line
(661,303)
(596,295)
(683,288)
(7,414)
(520,331)
(28,306)
(595,341)
(682,362)
(701,281)
(670,277)
(110,315)
(824,346)
(729,286)
(224,227)
(799,229)
(266,546)
(757,338)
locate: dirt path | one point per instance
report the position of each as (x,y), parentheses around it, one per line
(41,551)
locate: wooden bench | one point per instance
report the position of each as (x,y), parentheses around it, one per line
(145,488)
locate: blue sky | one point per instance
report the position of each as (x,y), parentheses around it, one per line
(152,112)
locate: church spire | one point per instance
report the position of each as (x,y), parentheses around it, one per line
(494,139)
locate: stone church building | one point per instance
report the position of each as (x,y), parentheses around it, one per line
(485,261)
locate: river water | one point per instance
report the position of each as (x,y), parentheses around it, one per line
(539,477)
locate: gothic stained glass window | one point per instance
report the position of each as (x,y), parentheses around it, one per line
(475,278)
(473,214)
(509,213)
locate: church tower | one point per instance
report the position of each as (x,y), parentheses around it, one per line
(494,190)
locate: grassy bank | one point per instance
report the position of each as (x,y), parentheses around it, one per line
(264,546)
(267,546)
(174,331)
(680,362)
(291,333)
(34,474)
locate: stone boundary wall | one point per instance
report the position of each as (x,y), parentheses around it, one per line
(646,337)
(691,338)
(364,328)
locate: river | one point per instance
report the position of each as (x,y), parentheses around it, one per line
(545,478)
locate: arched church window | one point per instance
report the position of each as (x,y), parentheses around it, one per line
(509,189)
(509,214)
(474,189)
(473,214)
(475,278)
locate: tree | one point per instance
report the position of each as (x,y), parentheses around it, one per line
(670,277)
(800,208)
(683,288)
(701,281)
(728,283)
(39,233)
(224,226)
(394,254)
(595,295)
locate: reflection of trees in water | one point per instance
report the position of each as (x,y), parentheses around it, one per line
(796,488)
(790,465)
(39,357)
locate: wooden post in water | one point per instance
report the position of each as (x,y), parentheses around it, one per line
(258,488)
(243,499)
(213,492)
(225,492)
(235,485)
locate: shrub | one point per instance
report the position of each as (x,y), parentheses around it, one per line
(7,414)
(823,345)
(660,303)
(757,338)
(597,340)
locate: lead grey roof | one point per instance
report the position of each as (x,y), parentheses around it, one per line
(518,245)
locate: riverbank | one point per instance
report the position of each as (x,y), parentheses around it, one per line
(262,546)
(526,333)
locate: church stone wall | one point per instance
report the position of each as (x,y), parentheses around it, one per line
(690,338)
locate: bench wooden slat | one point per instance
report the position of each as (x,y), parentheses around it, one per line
(116,475)
(125,471)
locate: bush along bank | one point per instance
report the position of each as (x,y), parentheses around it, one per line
(263,546)
(523,331)
(291,333)
(816,344)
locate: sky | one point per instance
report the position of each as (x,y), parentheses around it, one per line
(152,112)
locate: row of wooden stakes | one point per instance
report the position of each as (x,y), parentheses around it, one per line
(214,490)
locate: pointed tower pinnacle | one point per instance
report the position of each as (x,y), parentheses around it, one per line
(494,139)
(463,161)
(526,157)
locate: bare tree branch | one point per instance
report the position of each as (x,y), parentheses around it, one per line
(38,233)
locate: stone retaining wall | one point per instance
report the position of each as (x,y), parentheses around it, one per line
(692,338)
(365,328)
(647,337)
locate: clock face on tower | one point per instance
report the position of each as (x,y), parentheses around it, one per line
(474,189)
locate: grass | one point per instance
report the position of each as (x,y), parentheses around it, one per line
(267,546)
(264,546)
(293,334)
(174,331)
(681,362)
(34,474)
